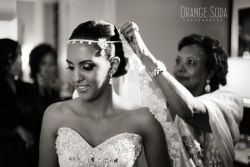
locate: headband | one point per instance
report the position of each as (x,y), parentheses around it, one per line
(101,42)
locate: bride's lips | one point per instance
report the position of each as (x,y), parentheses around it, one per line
(82,88)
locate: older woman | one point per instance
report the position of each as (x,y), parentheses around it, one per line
(211,118)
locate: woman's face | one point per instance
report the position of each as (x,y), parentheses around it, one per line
(16,67)
(89,72)
(190,68)
(48,66)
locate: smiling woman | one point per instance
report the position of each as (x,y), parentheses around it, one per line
(99,128)
(212,117)
(89,70)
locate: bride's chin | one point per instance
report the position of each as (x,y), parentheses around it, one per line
(88,97)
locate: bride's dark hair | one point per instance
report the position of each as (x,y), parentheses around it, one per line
(94,30)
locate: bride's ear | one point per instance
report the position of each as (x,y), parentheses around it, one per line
(114,62)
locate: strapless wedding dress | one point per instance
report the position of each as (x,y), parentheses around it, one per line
(121,150)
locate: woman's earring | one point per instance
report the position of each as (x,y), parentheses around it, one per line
(207,87)
(110,78)
(102,53)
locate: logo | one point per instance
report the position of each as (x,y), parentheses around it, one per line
(204,14)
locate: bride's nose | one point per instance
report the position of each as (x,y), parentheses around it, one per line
(77,76)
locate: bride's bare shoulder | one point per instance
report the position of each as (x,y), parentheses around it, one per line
(142,115)
(59,109)
(57,114)
(145,122)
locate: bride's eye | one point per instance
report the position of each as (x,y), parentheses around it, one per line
(71,68)
(87,67)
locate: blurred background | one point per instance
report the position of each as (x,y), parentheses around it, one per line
(34,21)
(162,24)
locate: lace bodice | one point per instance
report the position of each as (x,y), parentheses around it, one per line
(73,150)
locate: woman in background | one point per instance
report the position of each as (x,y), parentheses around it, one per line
(44,72)
(17,110)
(207,119)
(98,128)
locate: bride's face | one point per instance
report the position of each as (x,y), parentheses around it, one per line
(88,70)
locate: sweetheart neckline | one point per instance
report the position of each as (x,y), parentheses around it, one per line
(103,142)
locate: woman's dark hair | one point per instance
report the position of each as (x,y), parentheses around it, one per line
(37,55)
(216,57)
(94,30)
(8,55)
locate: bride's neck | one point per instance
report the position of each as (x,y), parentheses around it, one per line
(105,104)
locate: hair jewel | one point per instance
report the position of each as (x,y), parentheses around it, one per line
(101,42)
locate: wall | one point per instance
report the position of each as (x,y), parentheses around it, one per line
(74,12)
(31,27)
(219,29)
(162,27)
(7,9)
(160,22)
(50,24)
(8,21)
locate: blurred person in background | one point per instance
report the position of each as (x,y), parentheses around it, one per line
(17,110)
(44,72)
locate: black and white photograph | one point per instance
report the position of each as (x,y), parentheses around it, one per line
(124,83)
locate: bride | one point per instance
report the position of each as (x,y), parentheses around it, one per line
(94,129)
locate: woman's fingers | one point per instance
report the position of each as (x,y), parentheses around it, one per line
(130,31)
(129,27)
(134,26)
(125,26)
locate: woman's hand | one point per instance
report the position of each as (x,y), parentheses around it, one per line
(130,31)
(26,136)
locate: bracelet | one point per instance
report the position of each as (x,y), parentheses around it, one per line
(160,67)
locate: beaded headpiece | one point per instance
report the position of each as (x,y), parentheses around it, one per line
(101,42)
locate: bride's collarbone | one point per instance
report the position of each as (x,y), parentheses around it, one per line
(95,128)
(98,129)
(106,122)
(100,116)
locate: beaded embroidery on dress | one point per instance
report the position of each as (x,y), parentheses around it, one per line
(121,150)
